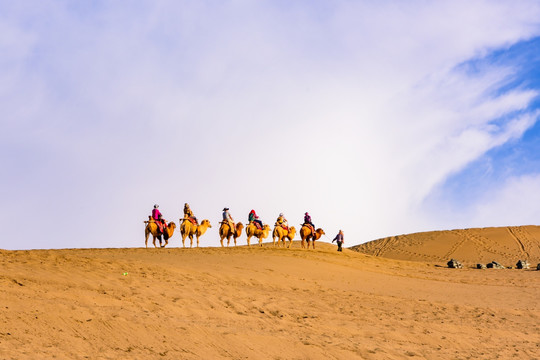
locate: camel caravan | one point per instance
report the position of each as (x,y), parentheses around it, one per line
(190,227)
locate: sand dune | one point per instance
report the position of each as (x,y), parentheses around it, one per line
(259,303)
(502,244)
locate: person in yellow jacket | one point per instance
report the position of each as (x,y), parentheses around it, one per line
(281,221)
(188,213)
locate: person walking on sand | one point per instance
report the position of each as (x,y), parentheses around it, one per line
(339,240)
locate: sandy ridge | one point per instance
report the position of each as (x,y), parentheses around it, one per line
(478,245)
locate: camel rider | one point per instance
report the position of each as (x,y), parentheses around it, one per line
(163,223)
(252,217)
(189,214)
(158,218)
(307,220)
(227,218)
(339,239)
(281,221)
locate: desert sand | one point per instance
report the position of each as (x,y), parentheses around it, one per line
(470,246)
(260,303)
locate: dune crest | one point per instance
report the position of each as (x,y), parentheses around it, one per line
(476,245)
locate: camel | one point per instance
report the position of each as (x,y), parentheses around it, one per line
(251,230)
(152,228)
(225,232)
(306,235)
(189,229)
(281,234)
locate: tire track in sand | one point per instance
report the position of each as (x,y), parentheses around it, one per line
(514,231)
(480,241)
(385,243)
(458,244)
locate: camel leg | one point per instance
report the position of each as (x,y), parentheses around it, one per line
(221,240)
(166,240)
(248,240)
(197,241)
(190,241)
(260,241)
(228,240)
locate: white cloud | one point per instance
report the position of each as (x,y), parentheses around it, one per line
(513,203)
(354,112)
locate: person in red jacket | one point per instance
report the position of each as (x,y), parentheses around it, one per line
(254,218)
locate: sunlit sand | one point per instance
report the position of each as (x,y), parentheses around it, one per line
(264,303)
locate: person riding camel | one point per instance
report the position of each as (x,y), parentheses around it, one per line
(188,214)
(158,218)
(281,221)
(307,221)
(227,218)
(252,217)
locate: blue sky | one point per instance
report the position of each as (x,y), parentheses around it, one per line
(378,118)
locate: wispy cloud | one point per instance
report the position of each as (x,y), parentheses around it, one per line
(354,111)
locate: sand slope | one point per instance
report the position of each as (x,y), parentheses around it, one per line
(503,244)
(259,303)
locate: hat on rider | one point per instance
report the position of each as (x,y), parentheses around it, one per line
(280,214)
(225,209)
(156,206)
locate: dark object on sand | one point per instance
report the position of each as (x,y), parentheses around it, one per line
(454,264)
(480,266)
(494,265)
(538,267)
(522,264)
